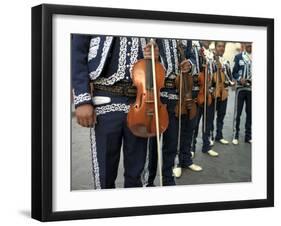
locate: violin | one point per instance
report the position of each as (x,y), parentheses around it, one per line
(184,84)
(204,80)
(219,81)
(148,117)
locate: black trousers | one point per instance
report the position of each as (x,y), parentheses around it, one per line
(221,111)
(187,128)
(243,96)
(205,135)
(169,149)
(107,138)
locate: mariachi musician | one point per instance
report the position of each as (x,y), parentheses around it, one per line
(205,110)
(169,96)
(221,80)
(188,118)
(242,73)
(107,61)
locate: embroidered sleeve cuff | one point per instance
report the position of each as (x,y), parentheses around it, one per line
(83,98)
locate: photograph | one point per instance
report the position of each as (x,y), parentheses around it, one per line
(152,112)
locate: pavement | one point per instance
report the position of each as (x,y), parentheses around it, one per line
(232,165)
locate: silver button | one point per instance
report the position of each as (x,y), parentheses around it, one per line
(128,54)
(129,43)
(128,65)
(127,77)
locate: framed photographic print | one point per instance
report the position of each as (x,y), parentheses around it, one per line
(145,112)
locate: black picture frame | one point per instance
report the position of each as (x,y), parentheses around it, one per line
(42,111)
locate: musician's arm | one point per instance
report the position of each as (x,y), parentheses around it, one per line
(84,110)
(235,70)
(79,70)
(190,56)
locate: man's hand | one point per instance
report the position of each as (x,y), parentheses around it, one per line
(242,81)
(185,66)
(189,104)
(147,50)
(85,115)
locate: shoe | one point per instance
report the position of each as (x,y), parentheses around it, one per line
(248,141)
(235,141)
(195,167)
(177,171)
(223,141)
(212,153)
(212,142)
(192,154)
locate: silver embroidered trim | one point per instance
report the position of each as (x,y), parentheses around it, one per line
(112,108)
(94,74)
(184,42)
(235,114)
(238,90)
(247,65)
(174,44)
(95,164)
(134,52)
(225,65)
(170,96)
(195,88)
(241,63)
(196,49)
(120,74)
(145,172)
(81,98)
(94,46)
(193,68)
(168,57)
(209,55)
(143,44)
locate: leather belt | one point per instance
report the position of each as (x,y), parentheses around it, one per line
(127,89)
(171,83)
(119,89)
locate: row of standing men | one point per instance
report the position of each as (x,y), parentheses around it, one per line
(106,62)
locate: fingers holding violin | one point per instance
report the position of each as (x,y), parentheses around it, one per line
(147,50)
(185,66)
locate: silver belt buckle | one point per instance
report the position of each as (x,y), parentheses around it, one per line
(100,100)
(172,76)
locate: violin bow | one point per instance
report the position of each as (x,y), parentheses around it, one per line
(216,88)
(177,168)
(205,97)
(159,152)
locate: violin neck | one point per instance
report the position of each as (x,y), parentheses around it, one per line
(219,70)
(180,49)
(149,75)
(149,70)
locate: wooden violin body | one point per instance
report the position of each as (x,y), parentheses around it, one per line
(141,116)
(186,105)
(219,80)
(204,81)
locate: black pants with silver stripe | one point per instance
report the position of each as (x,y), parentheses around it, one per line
(243,96)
